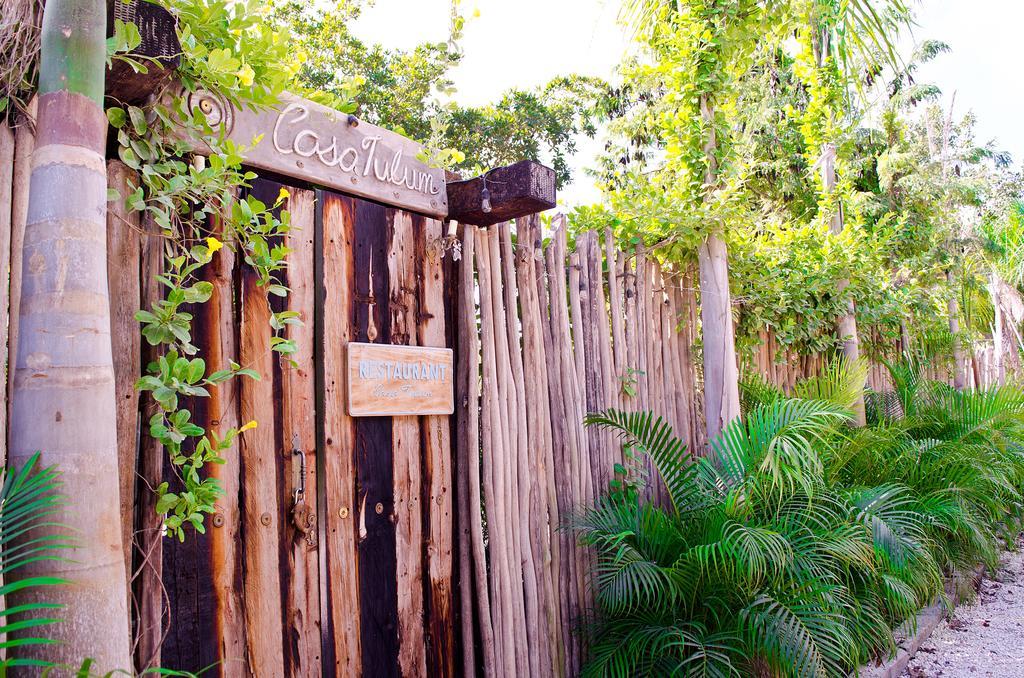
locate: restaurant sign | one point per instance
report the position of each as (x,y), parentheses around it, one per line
(386,380)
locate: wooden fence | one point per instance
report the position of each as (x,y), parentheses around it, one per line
(545,336)
(426,548)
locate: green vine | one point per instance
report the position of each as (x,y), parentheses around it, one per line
(199,206)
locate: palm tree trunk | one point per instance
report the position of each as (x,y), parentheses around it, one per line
(721,375)
(63,396)
(905,344)
(846,326)
(953,309)
(997,330)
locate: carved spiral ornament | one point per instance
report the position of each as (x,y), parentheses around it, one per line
(215,108)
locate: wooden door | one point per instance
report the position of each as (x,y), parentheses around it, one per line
(360,583)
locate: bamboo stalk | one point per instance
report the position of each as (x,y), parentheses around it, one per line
(500,542)
(541,435)
(524,473)
(470,517)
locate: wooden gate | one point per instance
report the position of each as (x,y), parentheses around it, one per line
(357,578)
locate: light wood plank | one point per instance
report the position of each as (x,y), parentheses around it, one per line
(24,144)
(341,585)
(405,434)
(123,285)
(298,400)
(437,451)
(263,510)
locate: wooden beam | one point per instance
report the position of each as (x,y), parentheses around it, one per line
(313,143)
(514,191)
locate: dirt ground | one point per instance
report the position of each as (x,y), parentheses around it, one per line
(985,638)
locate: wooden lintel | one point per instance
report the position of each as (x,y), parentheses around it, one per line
(159,52)
(516,190)
(313,143)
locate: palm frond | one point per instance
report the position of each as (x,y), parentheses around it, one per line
(654,437)
(840,383)
(28,501)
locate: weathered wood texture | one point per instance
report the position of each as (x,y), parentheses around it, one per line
(547,335)
(390,381)
(331,550)
(398,557)
(513,191)
(303,139)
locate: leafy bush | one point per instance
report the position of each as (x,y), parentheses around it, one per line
(797,544)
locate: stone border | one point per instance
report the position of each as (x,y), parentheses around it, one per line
(927,620)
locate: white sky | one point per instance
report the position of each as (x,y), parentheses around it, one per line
(524,43)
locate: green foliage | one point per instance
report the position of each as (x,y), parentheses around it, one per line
(406,91)
(230,56)
(85,670)
(28,504)
(798,543)
(912,184)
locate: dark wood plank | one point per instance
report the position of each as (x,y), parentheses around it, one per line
(374,461)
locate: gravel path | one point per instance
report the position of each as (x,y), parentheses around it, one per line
(982,639)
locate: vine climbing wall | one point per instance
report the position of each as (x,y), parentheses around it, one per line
(330,552)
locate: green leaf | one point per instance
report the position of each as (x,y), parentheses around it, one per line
(138,119)
(116,116)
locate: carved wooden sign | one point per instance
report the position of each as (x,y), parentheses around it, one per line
(303,139)
(386,380)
